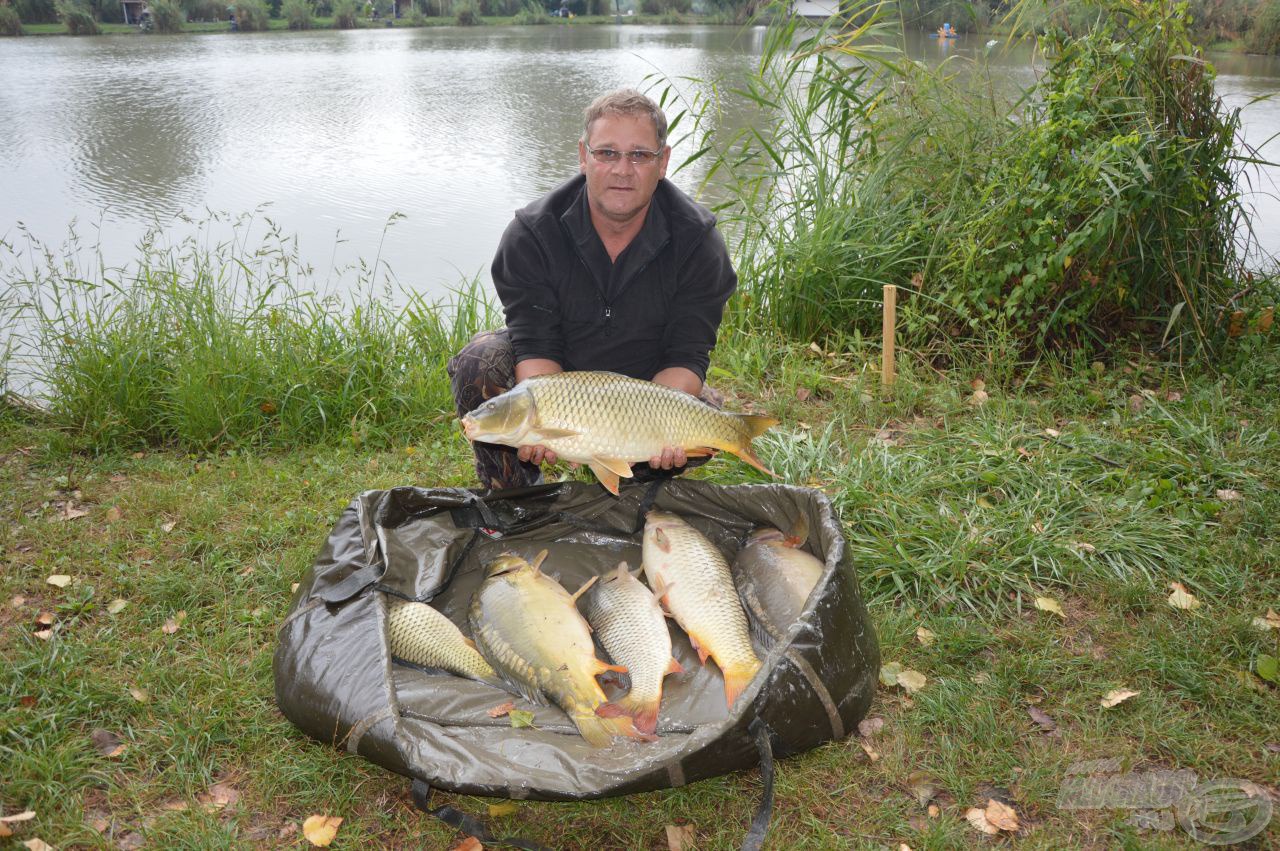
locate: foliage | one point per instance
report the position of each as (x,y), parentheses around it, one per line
(466,13)
(10,23)
(166,16)
(252,15)
(77,18)
(36,11)
(1264,34)
(533,13)
(299,14)
(344,14)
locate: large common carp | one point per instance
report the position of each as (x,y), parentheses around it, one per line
(629,623)
(607,421)
(695,585)
(528,627)
(775,577)
(419,634)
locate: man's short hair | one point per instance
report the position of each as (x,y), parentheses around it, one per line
(626,102)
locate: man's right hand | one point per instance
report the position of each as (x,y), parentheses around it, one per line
(537,454)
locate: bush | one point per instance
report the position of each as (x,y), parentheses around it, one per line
(78,19)
(1264,35)
(166,16)
(10,23)
(466,13)
(344,14)
(532,14)
(415,18)
(252,16)
(299,14)
(37,11)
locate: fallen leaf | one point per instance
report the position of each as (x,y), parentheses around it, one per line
(815,348)
(320,830)
(1173,396)
(1024,452)
(114,514)
(925,636)
(35,843)
(175,805)
(222,795)
(293,589)
(44,619)
(59,580)
(17,601)
(1268,668)
(131,841)
(70,513)
(1042,719)
(1274,747)
(26,702)
(107,743)
(978,384)
(25,815)
(138,455)
(501,709)
(911,681)
(1117,696)
(172,624)
(869,751)
(978,818)
(978,399)
(168,527)
(889,672)
(467,843)
(680,837)
(505,808)
(869,727)
(287,831)
(520,718)
(1270,621)
(1001,816)
(1181,598)
(1052,432)
(1048,604)
(1136,403)
(139,695)
(1084,547)
(43,634)
(117,478)
(1227,494)
(934,811)
(116,606)
(981,678)
(100,822)
(802,394)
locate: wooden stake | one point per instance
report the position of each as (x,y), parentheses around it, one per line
(889,331)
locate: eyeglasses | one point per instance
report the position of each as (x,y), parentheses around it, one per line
(636,157)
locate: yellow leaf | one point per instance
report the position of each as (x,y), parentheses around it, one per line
(38,844)
(1066,262)
(114,514)
(978,399)
(1270,621)
(168,527)
(1052,432)
(5,831)
(978,384)
(468,843)
(1117,696)
(25,815)
(139,695)
(17,601)
(320,830)
(925,636)
(680,837)
(889,673)
(978,818)
(1048,604)
(116,606)
(1001,816)
(1227,494)
(1181,598)
(911,681)
(870,751)
(61,580)
(172,624)
(505,808)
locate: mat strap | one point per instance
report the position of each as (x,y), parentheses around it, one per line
(469,825)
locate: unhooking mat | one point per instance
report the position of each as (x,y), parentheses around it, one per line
(335,678)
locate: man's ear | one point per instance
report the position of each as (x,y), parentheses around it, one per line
(582,157)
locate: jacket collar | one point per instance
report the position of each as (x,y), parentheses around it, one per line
(611,278)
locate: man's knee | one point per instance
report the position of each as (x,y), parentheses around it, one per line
(483,369)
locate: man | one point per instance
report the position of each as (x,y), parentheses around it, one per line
(614,270)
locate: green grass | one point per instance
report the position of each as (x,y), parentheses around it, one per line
(941,512)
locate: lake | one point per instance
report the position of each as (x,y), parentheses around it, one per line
(331,134)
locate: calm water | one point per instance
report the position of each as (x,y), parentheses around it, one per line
(338,131)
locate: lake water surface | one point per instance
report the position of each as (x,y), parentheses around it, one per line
(332,133)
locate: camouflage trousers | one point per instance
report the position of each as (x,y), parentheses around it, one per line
(485,368)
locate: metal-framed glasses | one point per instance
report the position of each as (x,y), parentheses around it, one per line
(609,156)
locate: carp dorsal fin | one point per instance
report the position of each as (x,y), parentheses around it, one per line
(536,564)
(582,590)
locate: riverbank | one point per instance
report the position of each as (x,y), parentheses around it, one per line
(141,592)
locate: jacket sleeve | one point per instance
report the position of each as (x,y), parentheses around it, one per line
(530,300)
(705,282)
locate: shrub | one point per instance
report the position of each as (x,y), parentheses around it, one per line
(166,16)
(466,13)
(205,10)
(344,14)
(36,11)
(78,19)
(1264,35)
(10,23)
(299,14)
(252,16)
(415,18)
(533,14)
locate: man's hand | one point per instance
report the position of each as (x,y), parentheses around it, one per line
(528,368)
(681,379)
(537,454)
(672,456)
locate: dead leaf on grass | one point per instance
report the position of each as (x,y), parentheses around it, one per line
(70,512)
(977,384)
(130,841)
(1053,432)
(978,399)
(1269,621)
(911,681)
(174,623)
(1048,604)
(506,808)
(222,795)
(168,527)
(1136,403)
(1117,696)
(27,701)
(468,843)
(1084,547)
(520,718)
(59,580)
(802,394)
(118,478)
(680,837)
(320,830)
(35,843)
(923,787)
(1042,719)
(868,750)
(107,743)
(116,606)
(17,601)
(1227,494)
(140,695)
(1181,598)
(1001,816)
(98,820)
(925,636)
(869,727)
(5,821)
(978,818)
(501,709)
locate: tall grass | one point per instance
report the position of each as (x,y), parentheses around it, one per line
(167,15)
(252,16)
(78,19)
(218,346)
(10,23)
(344,15)
(299,13)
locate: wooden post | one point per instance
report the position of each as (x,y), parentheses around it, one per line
(889,331)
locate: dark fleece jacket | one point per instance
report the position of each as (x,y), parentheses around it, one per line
(658,306)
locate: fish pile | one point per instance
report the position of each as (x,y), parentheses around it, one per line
(609,421)
(529,636)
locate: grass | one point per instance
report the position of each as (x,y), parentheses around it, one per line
(957,515)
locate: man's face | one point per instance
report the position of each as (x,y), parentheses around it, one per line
(621,190)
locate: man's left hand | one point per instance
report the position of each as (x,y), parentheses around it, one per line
(672,456)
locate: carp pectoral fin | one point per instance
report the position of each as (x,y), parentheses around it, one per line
(616,465)
(585,586)
(799,533)
(674,668)
(542,435)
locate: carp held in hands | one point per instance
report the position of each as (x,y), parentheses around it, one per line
(609,421)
